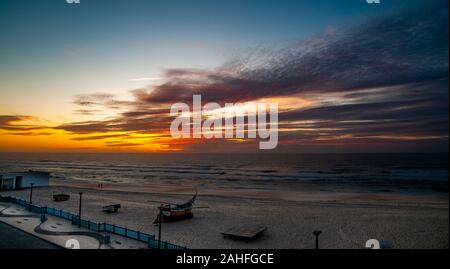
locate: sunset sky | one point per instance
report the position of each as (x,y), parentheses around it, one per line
(100,76)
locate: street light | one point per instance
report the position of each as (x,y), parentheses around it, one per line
(316,234)
(79,211)
(31,196)
(159,228)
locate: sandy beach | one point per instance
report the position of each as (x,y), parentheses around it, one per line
(348,218)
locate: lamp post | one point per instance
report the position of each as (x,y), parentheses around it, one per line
(159,228)
(31,196)
(316,234)
(79,211)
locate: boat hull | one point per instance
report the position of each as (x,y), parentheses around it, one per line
(177,217)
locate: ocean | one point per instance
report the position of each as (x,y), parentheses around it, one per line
(262,170)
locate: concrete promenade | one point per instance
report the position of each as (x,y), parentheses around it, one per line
(56,231)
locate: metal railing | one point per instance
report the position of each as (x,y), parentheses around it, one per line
(92,225)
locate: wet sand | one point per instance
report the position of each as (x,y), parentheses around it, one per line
(348,218)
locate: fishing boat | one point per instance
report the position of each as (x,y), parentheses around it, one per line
(173,212)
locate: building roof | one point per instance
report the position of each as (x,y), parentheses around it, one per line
(22,173)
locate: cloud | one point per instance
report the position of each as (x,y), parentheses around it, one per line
(104,100)
(405,48)
(19,123)
(121,124)
(30,133)
(87,112)
(385,77)
(122,144)
(99,137)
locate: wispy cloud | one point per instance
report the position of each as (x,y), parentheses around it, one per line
(20,123)
(146,79)
(100,137)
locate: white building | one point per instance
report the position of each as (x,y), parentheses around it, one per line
(21,180)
